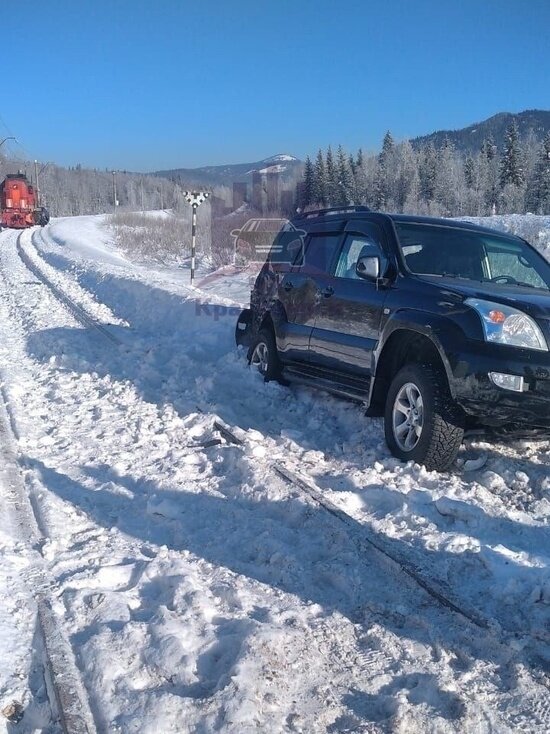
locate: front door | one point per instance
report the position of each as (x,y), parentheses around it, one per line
(347,322)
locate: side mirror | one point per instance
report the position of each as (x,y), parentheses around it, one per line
(368,267)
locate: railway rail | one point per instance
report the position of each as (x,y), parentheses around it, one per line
(66,694)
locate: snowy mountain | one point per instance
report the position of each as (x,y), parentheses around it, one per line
(282,163)
(470,139)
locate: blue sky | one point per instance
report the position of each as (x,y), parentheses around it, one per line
(146,85)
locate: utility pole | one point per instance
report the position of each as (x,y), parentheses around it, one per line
(36,187)
(115,202)
(195,198)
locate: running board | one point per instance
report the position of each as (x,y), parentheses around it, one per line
(300,377)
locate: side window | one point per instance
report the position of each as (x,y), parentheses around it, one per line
(354,247)
(288,248)
(320,252)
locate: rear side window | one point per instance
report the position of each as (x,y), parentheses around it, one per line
(320,252)
(288,248)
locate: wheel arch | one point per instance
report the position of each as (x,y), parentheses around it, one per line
(267,323)
(403,344)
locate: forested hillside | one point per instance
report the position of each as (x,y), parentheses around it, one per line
(470,139)
(435,180)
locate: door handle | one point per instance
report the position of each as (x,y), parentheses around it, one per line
(288,285)
(328,291)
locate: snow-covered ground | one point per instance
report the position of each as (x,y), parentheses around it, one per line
(202,593)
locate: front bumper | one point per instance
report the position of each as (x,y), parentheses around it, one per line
(480,398)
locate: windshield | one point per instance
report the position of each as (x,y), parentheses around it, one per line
(462,253)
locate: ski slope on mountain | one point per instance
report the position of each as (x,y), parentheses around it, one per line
(200,592)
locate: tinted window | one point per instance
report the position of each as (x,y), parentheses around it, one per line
(320,252)
(463,253)
(288,248)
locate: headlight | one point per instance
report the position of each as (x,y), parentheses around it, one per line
(506,325)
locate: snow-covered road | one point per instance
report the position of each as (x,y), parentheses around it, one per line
(200,592)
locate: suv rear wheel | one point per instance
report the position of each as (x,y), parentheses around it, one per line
(421,421)
(263,355)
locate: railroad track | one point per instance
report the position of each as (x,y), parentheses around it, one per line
(66,693)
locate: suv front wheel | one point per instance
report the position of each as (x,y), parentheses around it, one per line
(421,421)
(263,355)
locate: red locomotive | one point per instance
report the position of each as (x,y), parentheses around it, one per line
(18,203)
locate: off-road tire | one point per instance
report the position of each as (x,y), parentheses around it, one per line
(443,421)
(273,366)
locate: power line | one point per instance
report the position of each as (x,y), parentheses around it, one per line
(26,154)
(3,122)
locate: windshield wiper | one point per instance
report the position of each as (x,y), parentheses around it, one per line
(456,275)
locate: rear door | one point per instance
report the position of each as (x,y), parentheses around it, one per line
(348,317)
(299,292)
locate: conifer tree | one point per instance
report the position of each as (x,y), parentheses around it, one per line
(360,178)
(308,184)
(538,196)
(489,149)
(320,181)
(469,171)
(427,172)
(444,185)
(511,164)
(406,183)
(382,183)
(332,179)
(345,179)
(387,145)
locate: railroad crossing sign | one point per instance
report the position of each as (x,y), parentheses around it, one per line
(195,198)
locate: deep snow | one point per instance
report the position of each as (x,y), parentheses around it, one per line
(201,592)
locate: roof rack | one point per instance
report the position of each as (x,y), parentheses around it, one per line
(333,210)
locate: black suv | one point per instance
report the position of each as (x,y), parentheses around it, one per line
(441,326)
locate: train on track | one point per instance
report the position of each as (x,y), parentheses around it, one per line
(19,206)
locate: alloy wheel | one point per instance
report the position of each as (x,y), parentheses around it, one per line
(260,357)
(408,416)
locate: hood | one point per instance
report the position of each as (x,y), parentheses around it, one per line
(533,301)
